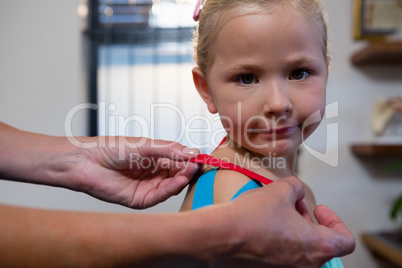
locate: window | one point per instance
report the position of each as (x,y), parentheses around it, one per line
(140,72)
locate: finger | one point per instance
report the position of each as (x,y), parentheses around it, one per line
(186,169)
(167,149)
(296,191)
(328,218)
(175,185)
(189,170)
(168,188)
(302,209)
(343,239)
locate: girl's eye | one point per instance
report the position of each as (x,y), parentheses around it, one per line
(299,74)
(247,79)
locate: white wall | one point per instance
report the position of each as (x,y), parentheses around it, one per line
(40,64)
(42,78)
(361,197)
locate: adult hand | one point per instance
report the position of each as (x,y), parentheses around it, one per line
(139,173)
(135,172)
(275,229)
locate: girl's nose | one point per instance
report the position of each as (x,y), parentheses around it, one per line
(277,101)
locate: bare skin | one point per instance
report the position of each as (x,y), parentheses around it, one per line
(134,172)
(229,234)
(220,234)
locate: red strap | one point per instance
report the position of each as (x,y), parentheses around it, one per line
(216,162)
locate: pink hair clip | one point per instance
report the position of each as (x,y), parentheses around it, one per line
(197,9)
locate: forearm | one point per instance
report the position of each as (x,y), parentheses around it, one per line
(28,157)
(71,239)
(40,159)
(133,171)
(77,239)
(249,231)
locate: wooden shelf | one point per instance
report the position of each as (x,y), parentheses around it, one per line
(377,149)
(379,53)
(386,244)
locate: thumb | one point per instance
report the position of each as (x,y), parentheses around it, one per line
(167,149)
(343,239)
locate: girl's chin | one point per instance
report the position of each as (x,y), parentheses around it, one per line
(280,149)
(272,152)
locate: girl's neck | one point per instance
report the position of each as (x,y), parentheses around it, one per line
(268,166)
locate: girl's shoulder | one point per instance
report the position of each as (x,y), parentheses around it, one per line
(227,184)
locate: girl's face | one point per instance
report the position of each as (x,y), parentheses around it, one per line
(268,76)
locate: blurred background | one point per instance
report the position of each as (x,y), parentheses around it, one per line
(133,59)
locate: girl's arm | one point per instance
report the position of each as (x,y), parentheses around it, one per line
(226,184)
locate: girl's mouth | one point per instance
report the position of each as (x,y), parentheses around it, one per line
(271,131)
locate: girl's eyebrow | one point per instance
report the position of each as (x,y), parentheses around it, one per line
(244,68)
(249,67)
(302,60)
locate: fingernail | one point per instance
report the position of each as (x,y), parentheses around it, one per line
(191,151)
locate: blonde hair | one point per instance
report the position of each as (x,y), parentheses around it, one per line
(215,13)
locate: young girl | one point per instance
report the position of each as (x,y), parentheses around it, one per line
(263,66)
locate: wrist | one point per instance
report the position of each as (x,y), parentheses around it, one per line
(206,235)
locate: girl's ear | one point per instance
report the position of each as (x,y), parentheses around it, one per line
(328,65)
(203,89)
